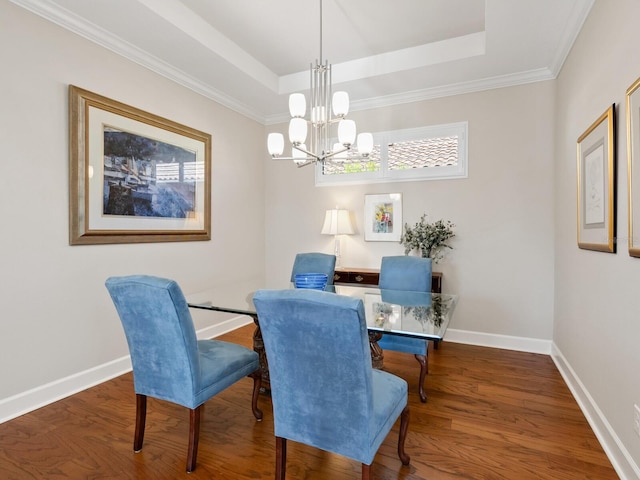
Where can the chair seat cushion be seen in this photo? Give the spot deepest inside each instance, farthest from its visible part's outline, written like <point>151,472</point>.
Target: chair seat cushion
<point>389,399</point>
<point>417,346</point>
<point>221,365</point>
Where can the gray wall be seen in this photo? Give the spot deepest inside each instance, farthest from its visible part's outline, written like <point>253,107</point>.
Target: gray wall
<point>522,281</point>
<point>57,319</point>
<point>596,325</point>
<point>501,264</point>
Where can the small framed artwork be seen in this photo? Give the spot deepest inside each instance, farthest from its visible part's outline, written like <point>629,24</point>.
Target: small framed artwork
<point>135,177</point>
<point>383,217</point>
<point>596,172</point>
<point>633,165</point>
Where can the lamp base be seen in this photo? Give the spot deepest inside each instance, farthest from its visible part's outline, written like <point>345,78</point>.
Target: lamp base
<point>336,251</point>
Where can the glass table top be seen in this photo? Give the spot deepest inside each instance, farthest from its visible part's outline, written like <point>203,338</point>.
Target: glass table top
<point>413,314</point>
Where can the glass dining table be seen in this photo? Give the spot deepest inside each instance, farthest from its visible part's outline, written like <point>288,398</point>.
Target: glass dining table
<point>388,312</point>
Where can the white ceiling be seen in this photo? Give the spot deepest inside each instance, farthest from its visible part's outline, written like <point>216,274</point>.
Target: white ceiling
<point>250,54</point>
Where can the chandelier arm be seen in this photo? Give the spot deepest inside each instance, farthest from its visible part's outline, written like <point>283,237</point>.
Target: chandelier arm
<point>309,154</point>
<point>329,155</point>
<point>308,162</point>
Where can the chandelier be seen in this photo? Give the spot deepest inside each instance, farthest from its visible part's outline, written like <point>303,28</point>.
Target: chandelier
<point>325,110</point>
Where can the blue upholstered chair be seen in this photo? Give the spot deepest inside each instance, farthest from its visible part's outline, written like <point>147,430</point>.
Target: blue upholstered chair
<point>410,274</point>
<point>325,392</point>
<point>169,362</point>
<point>315,263</point>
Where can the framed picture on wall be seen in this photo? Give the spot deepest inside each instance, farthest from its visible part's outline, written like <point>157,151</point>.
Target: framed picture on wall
<point>383,217</point>
<point>596,172</point>
<point>633,165</point>
<point>135,177</point>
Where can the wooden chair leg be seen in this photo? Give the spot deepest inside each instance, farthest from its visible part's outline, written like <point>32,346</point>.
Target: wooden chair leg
<point>257,383</point>
<point>281,458</point>
<point>194,435</point>
<point>366,471</point>
<point>424,368</point>
<point>404,428</point>
<point>141,418</point>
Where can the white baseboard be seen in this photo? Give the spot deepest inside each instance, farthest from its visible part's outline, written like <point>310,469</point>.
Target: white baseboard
<point>620,458</point>
<point>521,344</point>
<point>25,402</point>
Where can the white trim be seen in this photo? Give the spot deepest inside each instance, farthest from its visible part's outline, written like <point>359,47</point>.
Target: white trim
<point>386,175</point>
<point>66,19</point>
<point>25,402</point>
<point>72,22</point>
<point>507,342</point>
<point>620,458</point>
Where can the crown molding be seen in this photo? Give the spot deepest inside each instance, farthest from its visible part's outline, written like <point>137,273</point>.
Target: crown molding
<point>503,81</point>
<point>574,26</point>
<point>96,34</point>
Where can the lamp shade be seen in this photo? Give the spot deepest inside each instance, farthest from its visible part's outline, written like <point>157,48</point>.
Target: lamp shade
<point>297,105</point>
<point>340,104</point>
<point>365,143</point>
<point>337,222</point>
<point>275,144</point>
<point>297,131</point>
<point>347,132</point>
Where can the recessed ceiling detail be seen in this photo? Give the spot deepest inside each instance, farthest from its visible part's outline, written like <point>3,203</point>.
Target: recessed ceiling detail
<point>250,54</point>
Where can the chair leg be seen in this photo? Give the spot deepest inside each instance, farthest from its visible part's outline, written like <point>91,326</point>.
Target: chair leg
<point>141,418</point>
<point>424,368</point>
<point>366,471</point>
<point>257,383</point>
<point>281,458</point>
<point>404,428</point>
<point>194,435</point>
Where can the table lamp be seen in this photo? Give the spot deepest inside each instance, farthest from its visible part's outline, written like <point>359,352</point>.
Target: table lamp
<point>337,222</point>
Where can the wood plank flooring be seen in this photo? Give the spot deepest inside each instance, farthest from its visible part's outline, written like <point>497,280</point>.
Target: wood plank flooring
<point>490,414</point>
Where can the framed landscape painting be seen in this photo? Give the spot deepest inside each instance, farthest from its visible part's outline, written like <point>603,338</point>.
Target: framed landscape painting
<point>596,172</point>
<point>383,217</point>
<point>135,177</point>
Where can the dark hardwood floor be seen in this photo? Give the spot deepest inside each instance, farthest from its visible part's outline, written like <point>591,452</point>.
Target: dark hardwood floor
<point>491,414</point>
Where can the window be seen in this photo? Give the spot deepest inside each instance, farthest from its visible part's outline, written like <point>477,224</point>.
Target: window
<point>428,153</point>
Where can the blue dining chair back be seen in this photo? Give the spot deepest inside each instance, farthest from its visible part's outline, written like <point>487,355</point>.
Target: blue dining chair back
<point>324,390</point>
<point>169,362</point>
<point>314,263</point>
<point>408,274</point>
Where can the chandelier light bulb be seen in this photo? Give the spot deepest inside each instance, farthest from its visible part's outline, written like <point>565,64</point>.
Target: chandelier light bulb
<point>340,103</point>
<point>297,131</point>
<point>318,115</point>
<point>297,105</point>
<point>347,132</point>
<point>275,144</point>
<point>365,144</point>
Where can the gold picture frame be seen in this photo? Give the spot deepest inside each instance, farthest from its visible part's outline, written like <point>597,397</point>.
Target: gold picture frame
<point>633,168</point>
<point>596,175</point>
<point>135,177</point>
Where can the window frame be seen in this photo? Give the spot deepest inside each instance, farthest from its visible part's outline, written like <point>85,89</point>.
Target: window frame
<point>384,175</point>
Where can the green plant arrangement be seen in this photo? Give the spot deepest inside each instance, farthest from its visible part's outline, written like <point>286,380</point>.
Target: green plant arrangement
<point>430,239</point>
